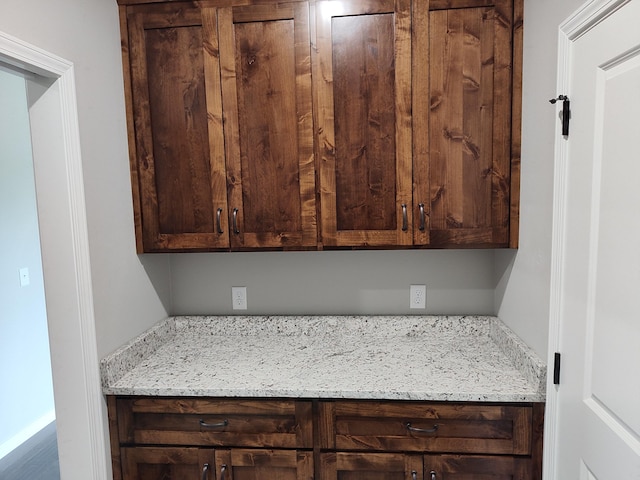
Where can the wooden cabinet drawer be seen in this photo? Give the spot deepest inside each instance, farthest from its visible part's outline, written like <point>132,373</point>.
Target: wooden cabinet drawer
<point>423,426</point>
<point>215,422</point>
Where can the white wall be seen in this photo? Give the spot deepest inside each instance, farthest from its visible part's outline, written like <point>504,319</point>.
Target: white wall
<point>26,389</point>
<point>129,296</point>
<point>522,293</point>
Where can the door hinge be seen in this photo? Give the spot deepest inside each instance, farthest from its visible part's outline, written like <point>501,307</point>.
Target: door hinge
<point>556,369</point>
<point>566,113</point>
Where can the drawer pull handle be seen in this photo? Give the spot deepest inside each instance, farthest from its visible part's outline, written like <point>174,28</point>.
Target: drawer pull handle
<point>223,471</point>
<point>205,469</point>
<point>414,475</point>
<point>421,430</point>
<point>221,424</point>
<point>433,475</point>
<point>422,221</point>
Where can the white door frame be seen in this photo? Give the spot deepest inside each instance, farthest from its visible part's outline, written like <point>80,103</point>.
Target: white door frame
<point>584,19</point>
<point>66,267</point>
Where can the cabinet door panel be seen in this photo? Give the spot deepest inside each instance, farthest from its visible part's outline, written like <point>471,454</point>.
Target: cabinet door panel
<point>177,112</point>
<point>370,466</point>
<point>470,68</point>
<point>363,82</point>
<point>245,464</point>
<point>145,463</point>
<point>476,467</point>
<point>364,122</point>
<point>266,85</point>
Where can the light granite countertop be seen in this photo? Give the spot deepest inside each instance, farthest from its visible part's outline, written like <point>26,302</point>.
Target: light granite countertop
<point>440,358</point>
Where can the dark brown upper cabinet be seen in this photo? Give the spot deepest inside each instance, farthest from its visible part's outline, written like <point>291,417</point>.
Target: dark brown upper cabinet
<point>221,127</point>
<point>328,124</point>
<point>362,74</point>
<point>417,142</point>
<point>175,127</point>
<point>466,121</point>
<point>268,124</point>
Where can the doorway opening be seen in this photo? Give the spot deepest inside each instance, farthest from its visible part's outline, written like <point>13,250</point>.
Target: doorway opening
<point>79,406</point>
<point>28,444</point>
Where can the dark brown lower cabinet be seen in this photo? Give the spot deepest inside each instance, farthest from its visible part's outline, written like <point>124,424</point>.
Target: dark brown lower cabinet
<point>184,463</point>
<point>370,466</point>
<point>252,464</point>
<point>199,438</point>
<point>400,466</point>
<point>154,463</point>
<point>476,467</point>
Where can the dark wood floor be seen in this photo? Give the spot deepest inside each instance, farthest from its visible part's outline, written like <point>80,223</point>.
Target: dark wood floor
<point>36,459</point>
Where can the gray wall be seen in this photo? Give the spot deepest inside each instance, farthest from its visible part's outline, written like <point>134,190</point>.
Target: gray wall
<point>132,292</point>
<point>129,296</point>
<point>26,389</point>
<point>334,282</point>
<point>522,278</point>
<point>512,284</point>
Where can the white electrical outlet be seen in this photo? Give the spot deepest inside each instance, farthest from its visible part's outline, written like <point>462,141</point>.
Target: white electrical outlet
<point>418,296</point>
<point>239,298</point>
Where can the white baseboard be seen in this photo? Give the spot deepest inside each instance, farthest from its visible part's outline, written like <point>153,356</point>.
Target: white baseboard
<point>26,433</point>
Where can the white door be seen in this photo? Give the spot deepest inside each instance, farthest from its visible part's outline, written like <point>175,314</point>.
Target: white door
<point>595,414</point>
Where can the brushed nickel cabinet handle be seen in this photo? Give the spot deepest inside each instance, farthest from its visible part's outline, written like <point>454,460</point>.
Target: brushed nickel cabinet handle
<point>223,471</point>
<point>205,469</point>
<point>405,224</point>
<point>433,475</point>
<point>221,424</point>
<point>422,220</point>
<point>421,430</point>
<point>414,475</point>
<point>219,220</point>
<point>235,222</point>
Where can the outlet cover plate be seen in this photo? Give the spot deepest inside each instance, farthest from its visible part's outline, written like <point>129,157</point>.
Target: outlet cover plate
<point>239,298</point>
<point>418,296</point>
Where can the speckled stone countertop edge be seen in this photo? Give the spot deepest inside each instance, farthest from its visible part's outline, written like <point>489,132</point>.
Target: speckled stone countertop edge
<point>523,356</point>
<point>432,395</point>
<point>129,355</point>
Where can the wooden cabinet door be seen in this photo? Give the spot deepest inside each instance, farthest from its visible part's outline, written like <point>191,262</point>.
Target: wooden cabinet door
<point>370,466</point>
<point>266,86</point>
<point>463,73</point>
<point>166,463</point>
<point>476,467</point>
<point>175,129</point>
<point>362,76</point>
<point>251,464</point>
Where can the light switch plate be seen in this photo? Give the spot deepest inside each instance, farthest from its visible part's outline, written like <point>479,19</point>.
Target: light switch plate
<point>24,277</point>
